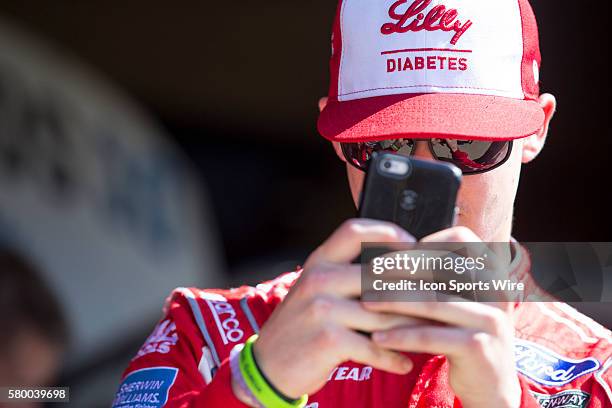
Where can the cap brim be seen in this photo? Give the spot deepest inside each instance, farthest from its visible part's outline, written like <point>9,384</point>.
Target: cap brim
<point>452,116</point>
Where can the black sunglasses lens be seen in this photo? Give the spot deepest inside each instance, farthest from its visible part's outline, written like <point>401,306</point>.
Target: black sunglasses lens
<point>471,156</point>
<point>468,155</point>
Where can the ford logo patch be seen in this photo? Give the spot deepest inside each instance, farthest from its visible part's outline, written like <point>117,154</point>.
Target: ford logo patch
<point>547,367</point>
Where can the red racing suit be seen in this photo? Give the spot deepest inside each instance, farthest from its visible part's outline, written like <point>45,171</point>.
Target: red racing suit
<point>563,358</point>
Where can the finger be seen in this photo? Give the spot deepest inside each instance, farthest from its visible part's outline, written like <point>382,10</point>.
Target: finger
<point>471,315</point>
<point>460,240</point>
<point>351,314</point>
<point>333,279</point>
<point>454,234</point>
<point>345,243</point>
<point>449,341</point>
<point>362,350</point>
<point>497,257</point>
<point>386,295</point>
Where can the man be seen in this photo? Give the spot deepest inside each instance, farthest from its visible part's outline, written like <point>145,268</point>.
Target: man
<point>422,73</point>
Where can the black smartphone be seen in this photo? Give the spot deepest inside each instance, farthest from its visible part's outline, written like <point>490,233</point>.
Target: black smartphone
<point>419,196</point>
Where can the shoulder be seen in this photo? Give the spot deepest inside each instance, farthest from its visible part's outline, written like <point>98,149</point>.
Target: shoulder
<point>189,348</point>
<point>200,327</point>
<point>559,348</point>
<point>561,327</point>
<point>223,318</point>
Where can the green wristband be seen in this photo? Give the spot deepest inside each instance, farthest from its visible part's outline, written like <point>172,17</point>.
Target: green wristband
<point>258,385</point>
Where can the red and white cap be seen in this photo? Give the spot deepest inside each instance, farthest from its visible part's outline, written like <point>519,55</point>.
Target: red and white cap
<point>458,69</point>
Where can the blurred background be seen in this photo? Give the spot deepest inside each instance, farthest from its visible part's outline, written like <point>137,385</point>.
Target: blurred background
<point>145,146</point>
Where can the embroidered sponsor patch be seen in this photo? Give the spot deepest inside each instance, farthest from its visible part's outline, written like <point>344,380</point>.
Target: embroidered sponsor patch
<point>564,399</point>
<point>146,388</point>
<point>547,367</point>
<point>438,18</point>
<point>343,373</point>
<point>163,338</point>
<point>225,318</point>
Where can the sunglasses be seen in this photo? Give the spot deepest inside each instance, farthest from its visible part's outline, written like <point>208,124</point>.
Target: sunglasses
<point>470,156</point>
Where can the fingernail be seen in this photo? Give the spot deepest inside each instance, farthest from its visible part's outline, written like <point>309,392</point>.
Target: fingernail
<point>379,336</point>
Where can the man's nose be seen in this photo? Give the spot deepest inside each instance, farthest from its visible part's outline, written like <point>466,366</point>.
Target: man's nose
<point>422,150</point>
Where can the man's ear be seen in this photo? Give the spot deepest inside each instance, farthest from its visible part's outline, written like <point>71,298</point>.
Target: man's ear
<point>322,103</point>
<point>532,145</point>
<point>338,150</point>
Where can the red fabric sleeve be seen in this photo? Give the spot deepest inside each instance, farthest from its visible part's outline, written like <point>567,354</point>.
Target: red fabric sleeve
<point>185,361</point>
<point>219,392</point>
<point>174,368</point>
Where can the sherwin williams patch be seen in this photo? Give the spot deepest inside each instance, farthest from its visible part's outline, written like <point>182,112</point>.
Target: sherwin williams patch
<point>146,388</point>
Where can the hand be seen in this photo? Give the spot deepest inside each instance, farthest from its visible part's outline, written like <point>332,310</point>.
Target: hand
<point>476,338</point>
<point>315,328</point>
